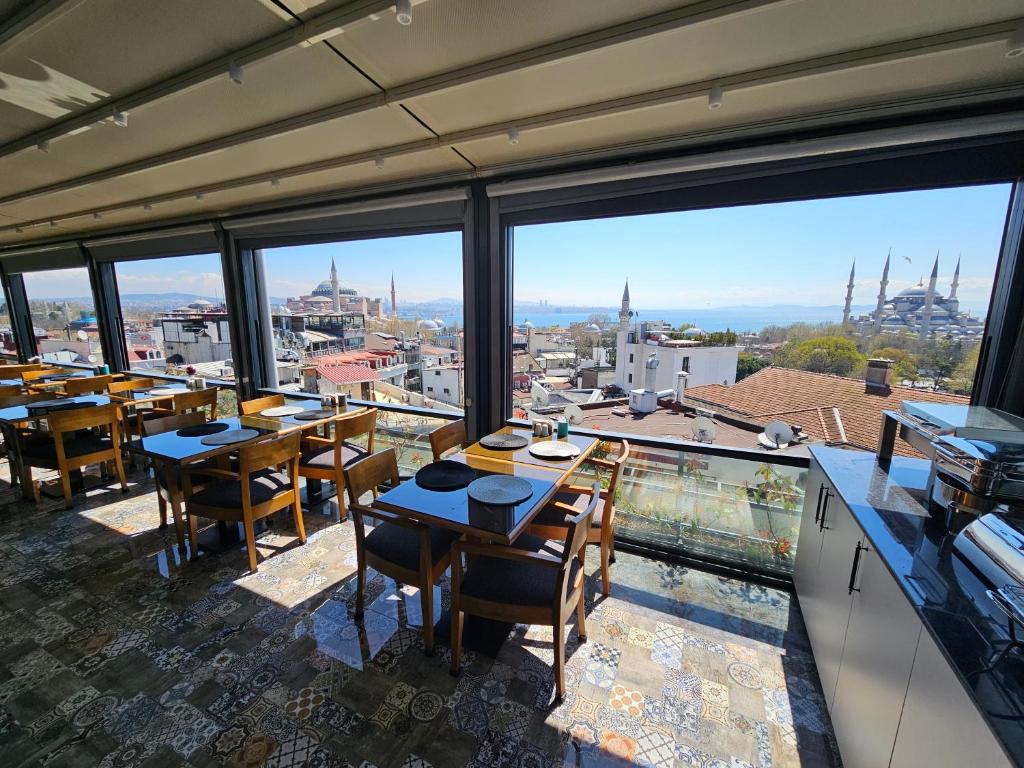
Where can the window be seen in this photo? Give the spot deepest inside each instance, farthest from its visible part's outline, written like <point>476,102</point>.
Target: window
<point>175,319</point>
<point>63,316</point>
<point>816,314</point>
<point>370,318</point>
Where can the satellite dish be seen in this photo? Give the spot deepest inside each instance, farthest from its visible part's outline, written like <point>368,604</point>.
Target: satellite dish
<point>93,358</point>
<point>538,394</point>
<point>703,430</point>
<point>778,434</point>
<point>82,335</point>
<point>574,414</point>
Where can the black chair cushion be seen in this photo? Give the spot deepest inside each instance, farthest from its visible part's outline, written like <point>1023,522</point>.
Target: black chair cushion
<point>41,451</point>
<point>551,515</point>
<point>516,583</point>
<point>197,479</point>
<point>323,458</point>
<point>402,547</point>
<point>263,486</point>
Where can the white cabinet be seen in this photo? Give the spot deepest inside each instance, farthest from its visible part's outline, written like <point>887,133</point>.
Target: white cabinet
<point>878,655</point>
<point>941,726</point>
<point>808,551</point>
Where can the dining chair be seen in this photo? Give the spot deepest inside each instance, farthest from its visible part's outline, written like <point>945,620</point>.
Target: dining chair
<point>407,551</point>
<point>196,400</point>
<point>451,435</point>
<point>325,458</point>
<point>129,385</point>
<point>533,581</point>
<point>120,391</point>
<point>14,370</point>
<point>551,523</point>
<point>168,493</point>
<point>266,482</point>
<point>250,407</point>
<point>33,375</point>
<point>77,437</point>
<point>87,385</point>
<point>11,433</point>
<point>7,390</point>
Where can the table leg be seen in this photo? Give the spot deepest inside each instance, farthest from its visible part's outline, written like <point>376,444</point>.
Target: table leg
<point>175,500</point>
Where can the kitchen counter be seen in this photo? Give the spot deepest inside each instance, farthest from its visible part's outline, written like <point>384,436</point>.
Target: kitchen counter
<point>888,501</point>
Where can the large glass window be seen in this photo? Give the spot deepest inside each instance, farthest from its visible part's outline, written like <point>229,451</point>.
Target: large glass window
<point>378,319</point>
<point>762,327</point>
<point>64,316</point>
<point>175,320</point>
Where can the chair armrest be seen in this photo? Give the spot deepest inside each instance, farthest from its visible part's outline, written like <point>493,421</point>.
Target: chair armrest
<point>506,553</point>
<point>600,463</point>
<point>313,440</point>
<point>389,517</point>
<point>583,489</point>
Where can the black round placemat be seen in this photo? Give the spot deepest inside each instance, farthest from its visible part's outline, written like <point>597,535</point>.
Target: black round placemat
<point>500,489</point>
<point>201,430</point>
<point>445,476</point>
<point>319,413</point>
<point>230,437</point>
<point>504,442</point>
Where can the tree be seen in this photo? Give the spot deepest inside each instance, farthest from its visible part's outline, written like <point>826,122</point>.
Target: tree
<point>941,357</point>
<point>821,354</point>
<point>748,364</point>
<point>904,364</point>
<point>961,380</point>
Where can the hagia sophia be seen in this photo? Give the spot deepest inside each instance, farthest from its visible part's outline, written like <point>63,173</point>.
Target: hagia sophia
<point>921,310</point>
<point>329,297</point>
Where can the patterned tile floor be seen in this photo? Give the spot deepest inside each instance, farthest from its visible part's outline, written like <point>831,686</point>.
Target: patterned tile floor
<point>115,652</point>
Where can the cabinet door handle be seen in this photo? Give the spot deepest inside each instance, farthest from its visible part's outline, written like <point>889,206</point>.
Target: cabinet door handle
<point>817,509</point>
<point>853,571</point>
<point>824,509</point>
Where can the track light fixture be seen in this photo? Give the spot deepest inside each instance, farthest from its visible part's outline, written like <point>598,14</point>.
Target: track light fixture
<point>19,230</point>
<point>53,223</point>
<point>715,97</point>
<point>379,162</point>
<point>275,182</point>
<point>96,215</point>
<point>1015,43</point>
<point>199,195</point>
<point>43,145</point>
<point>147,207</point>
<point>120,117</point>
<point>513,136</point>
<point>403,12</point>
<point>236,73</point>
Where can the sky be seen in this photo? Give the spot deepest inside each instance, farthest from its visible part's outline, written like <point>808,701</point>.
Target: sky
<point>784,253</point>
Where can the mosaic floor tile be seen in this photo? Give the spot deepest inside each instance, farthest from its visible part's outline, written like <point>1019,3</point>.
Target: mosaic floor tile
<point>115,650</point>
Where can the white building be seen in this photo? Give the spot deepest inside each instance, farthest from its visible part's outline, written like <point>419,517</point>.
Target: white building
<point>442,383</point>
<point>705,364</point>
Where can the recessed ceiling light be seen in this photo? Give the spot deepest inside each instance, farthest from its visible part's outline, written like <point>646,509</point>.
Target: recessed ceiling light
<point>715,97</point>
<point>236,73</point>
<point>1015,43</point>
<point>403,12</point>
<point>513,136</point>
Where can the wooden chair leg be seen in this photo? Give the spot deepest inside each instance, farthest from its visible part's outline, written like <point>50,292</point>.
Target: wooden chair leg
<point>581,618</point>
<point>300,526</point>
<point>606,579</point>
<point>558,631</point>
<point>427,608</point>
<point>458,617</point>
<point>360,584</point>
<point>119,468</point>
<point>65,482</point>
<point>250,542</point>
<point>193,534</point>
<point>339,485</point>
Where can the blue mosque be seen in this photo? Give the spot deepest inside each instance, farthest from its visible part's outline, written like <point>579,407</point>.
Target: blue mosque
<point>921,310</point>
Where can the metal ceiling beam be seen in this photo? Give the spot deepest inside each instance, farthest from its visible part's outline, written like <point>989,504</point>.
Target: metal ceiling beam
<point>819,65</point>
<point>693,14</point>
<point>31,16</point>
<point>316,28</point>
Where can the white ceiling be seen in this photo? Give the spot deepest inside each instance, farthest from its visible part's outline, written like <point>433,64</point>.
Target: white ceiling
<point>437,97</point>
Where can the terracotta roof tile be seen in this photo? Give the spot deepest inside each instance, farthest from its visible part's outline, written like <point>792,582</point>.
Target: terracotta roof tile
<point>347,374</point>
<point>836,409</point>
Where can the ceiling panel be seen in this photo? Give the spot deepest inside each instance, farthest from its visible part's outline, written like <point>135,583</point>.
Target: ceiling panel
<point>358,133</point>
<point>295,81</point>
<point>429,163</point>
<point>834,91</point>
<point>110,47</point>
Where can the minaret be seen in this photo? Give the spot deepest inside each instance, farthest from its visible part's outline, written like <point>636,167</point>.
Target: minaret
<point>335,291</point>
<point>881,294</point>
<point>849,296</point>
<point>394,305</point>
<point>624,311</point>
<point>929,300</point>
<point>956,280</point>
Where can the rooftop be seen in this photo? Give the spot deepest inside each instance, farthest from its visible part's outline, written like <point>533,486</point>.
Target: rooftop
<point>346,374</point>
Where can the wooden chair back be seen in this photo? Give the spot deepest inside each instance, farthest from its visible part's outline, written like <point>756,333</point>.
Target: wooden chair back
<point>14,370</point>
<point>269,453</point>
<point>355,424</point>
<point>129,385</point>
<point>249,407</point>
<point>366,475</point>
<point>7,401</point>
<point>168,423</point>
<point>197,400</point>
<point>35,374</point>
<point>75,419</point>
<point>451,435</point>
<point>10,389</point>
<point>91,385</point>
<point>576,541</point>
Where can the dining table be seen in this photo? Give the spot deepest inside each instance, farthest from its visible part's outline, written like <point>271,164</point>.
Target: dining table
<point>172,452</point>
<point>486,523</point>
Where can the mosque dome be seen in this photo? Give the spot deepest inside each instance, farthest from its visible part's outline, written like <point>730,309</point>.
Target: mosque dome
<point>324,289</point>
<point>427,325</point>
<point>320,300</point>
<point>693,332</point>
<point>593,328</point>
<point>917,292</point>
<point>527,324</point>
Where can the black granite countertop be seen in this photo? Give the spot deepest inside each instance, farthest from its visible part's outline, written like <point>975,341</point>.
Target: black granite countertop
<point>890,503</point>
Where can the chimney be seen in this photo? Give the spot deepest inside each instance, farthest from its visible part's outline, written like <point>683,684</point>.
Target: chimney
<point>681,377</point>
<point>878,377</point>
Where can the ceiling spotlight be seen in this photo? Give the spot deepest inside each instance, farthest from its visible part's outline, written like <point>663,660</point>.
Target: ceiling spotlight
<point>403,12</point>
<point>199,195</point>
<point>96,215</point>
<point>120,118</point>
<point>715,97</point>
<point>275,182</point>
<point>147,207</point>
<point>513,136</point>
<point>236,73</point>
<point>43,145</point>
<point>379,161</point>
<point>1015,43</point>
<point>19,230</point>
<point>53,223</point>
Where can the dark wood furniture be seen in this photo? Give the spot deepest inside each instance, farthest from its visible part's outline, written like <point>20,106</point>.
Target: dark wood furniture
<point>451,435</point>
<point>325,458</point>
<point>193,400</point>
<point>253,407</point>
